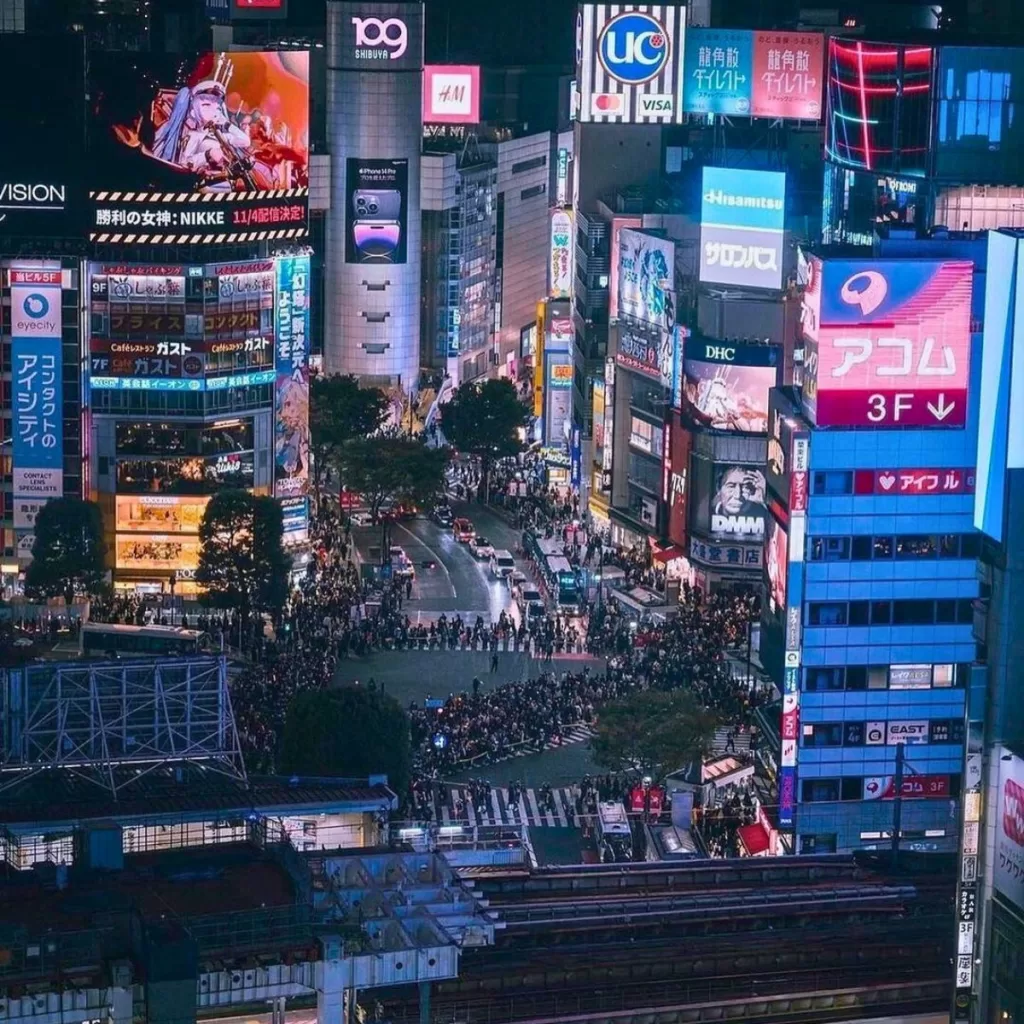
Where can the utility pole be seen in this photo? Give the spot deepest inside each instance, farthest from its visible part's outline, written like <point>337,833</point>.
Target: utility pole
<point>897,804</point>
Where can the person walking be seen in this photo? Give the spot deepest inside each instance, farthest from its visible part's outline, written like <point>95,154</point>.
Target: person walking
<point>494,661</point>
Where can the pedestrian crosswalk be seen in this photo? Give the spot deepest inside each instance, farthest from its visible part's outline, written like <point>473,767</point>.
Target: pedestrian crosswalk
<point>457,808</point>
<point>573,734</point>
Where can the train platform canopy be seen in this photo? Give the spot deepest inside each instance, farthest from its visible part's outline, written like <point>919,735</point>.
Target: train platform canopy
<point>57,798</point>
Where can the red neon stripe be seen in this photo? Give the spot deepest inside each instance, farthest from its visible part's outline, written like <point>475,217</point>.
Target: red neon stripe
<point>863,109</point>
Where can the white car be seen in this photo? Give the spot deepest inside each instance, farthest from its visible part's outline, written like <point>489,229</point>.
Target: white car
<point>400,563</point>
<point>515,580</point>
<point>480,547</point>
<point>528,596</point>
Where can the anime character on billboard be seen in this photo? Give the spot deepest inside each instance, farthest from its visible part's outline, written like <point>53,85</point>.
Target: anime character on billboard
<point>652,280</point>
<point>236,122</point>
<point>724,397</point>
<point>291,441</point>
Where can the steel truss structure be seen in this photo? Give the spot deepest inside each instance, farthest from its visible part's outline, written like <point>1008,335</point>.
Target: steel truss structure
<point>94,718</point>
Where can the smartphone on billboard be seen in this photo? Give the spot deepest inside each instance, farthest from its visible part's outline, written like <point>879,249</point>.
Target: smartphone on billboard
<point>377,242</point>
<point>369,204</point>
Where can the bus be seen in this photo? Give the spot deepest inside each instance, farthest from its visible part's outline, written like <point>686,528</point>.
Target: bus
<point>111,639</point>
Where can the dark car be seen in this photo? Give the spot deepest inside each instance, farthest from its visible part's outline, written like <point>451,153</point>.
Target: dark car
<point>442,515</point>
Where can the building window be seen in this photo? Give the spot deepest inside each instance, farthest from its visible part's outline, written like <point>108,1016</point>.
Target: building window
<point>827,613</point>
<point>817,680</point>
<point>529,165</point>
<point>823,735</point>
<point>833,482</point>
<point>816,791</point>
<point>533,190</point>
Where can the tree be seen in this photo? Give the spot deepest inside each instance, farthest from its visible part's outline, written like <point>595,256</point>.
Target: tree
<point>69,554</point>
<point>348,732</point>
<point>242,563</point>
<point>394,469</point>
<point>341,411</point>
<point>485,420</point>
<point>654,732</point>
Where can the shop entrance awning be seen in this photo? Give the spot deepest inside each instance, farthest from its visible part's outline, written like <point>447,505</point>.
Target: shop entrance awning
<point>666,553</point>
<point>754,839</point>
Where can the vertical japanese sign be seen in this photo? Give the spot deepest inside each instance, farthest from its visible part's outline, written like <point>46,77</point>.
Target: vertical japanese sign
<point>561,254</point>
<point>291,393</point>
<point>788,75</point>
<point>38,443</point>
<point>717,71</point>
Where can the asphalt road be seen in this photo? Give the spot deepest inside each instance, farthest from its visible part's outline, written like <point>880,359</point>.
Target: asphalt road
<point>459,582</point>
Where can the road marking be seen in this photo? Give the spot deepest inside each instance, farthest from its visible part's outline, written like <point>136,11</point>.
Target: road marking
<point>437,558</point>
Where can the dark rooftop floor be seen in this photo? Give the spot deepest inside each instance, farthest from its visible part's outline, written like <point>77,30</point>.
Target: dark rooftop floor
<point>59,796</point>
<point>173,884</point>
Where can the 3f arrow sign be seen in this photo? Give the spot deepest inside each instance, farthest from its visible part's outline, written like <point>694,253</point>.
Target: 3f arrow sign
<point>941,411</point>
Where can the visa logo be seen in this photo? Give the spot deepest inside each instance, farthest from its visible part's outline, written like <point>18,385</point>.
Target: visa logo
<point>656,103</point>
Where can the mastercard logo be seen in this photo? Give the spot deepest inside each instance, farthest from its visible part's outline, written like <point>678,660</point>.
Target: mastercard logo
<point>607,103</point>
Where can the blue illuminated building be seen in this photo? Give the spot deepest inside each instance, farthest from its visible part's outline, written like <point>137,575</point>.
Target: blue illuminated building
<point>871,564</point>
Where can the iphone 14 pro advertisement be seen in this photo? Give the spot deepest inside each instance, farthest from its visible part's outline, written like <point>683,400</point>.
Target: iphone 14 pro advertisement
<point>377,193</point>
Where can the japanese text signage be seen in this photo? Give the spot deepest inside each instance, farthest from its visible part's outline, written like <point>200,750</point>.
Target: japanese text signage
<point>629,64</point>
<point>742,222</point>
<point>291,392</point>
<point>893,344</point>
<point>717,71</point>
<point>914,481</point>
<point>788,74</point>
<point>755,74</point>
<point>36,375</point>
<point>561,254</point>
<point>1008,866</point>
<point>653,354</point>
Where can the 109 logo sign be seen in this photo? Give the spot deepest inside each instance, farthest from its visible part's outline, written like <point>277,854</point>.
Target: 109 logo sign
<point>633,48</point>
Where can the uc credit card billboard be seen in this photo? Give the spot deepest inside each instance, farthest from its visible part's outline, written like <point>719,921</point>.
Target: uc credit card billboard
<point>742,227</point>
<point>629,63</point>
<point>888,342</point>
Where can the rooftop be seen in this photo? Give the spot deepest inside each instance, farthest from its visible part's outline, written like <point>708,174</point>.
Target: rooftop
<point>189,789</point>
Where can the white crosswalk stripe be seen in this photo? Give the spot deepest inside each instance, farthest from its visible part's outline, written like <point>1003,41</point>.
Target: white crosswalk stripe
<point>501,811</point>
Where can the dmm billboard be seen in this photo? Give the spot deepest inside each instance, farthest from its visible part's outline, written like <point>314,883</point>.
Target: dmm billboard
<point>742,222</point>
<point>629,63</point>
<point>893,343</point>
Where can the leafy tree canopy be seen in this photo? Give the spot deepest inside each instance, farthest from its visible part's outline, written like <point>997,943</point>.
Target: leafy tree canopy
<point>242,563</point>
<point>393,468</point>
<point>347,732</point>
<point>654,732</point>
<point>342,411</point>
<point>485,419</point>
<point>69,554</point>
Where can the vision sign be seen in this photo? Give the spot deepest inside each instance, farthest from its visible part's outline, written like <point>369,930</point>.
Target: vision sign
<point>892,344</point>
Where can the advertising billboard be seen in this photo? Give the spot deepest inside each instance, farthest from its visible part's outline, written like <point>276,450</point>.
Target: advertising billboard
<point>742,227</point>
<point>159,552</point>
<point>893,343</point>
<point>379,37</point>
<point>377,206</point>
<point>291,390</point>
<point>558,398</point>
<point>678,491</point>
<point>717,71</point>
<point>776,563</point>
<point>788,75</point>
<point>41,162</point>
<point>451,94</point>
<point>652,353</point>
<point>646,278</point>
<point>914,481</point>
<point>561,254</point>
<point>726,384</point>
<point>629,63</point>
<point>37,444</point>
<point>159,514</point>
<point>878,106</point>
<point>212,149</point>
<point>1008,861</point>
<point>738,503</point>
<point>262,10</point>
<point>618,223</point>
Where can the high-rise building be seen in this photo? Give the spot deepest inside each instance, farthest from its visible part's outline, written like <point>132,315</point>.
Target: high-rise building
<point>870,552</point>
<point>372,273</point>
